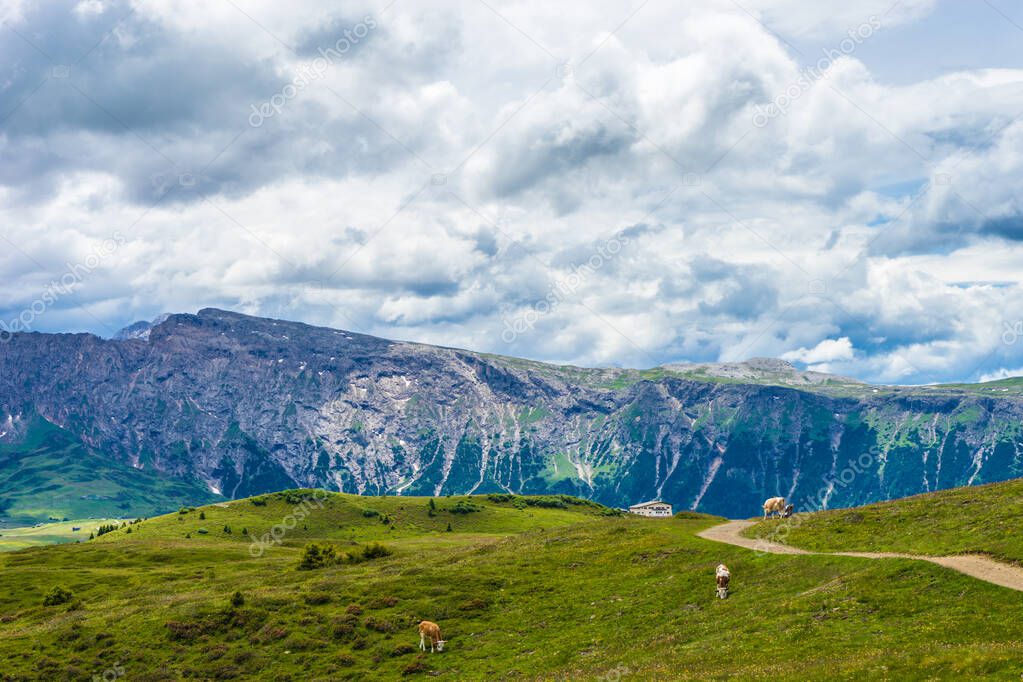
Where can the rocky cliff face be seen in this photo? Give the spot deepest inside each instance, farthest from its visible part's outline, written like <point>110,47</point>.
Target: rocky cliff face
<point>247,405</point>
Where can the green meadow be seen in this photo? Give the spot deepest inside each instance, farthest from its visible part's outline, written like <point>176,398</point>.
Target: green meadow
<point>984,519</point>
<point>550,588</point>
<point>56,533</point>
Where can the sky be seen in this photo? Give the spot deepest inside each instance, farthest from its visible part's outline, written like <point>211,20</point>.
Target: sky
<point>628,183</point>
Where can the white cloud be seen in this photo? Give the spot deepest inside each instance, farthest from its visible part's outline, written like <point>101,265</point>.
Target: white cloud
<point>828,350</point>
<point>1001,374</point>
<point>450,169</point>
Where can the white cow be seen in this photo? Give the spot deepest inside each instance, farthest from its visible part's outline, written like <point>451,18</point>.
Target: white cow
<point>723,577</point>
<point>774,505</point>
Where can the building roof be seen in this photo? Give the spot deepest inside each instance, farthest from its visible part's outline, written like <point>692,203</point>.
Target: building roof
<point>648,504</point>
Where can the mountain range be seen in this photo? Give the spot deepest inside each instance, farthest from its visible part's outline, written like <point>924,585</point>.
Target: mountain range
<point>195,408</point>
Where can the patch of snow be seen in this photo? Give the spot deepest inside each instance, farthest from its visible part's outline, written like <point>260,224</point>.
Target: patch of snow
<point>708,479</point>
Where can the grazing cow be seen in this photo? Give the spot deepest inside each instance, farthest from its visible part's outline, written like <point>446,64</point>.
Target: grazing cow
<point>431,630</point>
<point>774,505</point>
<point>789,508</point>
<point>723,576</point>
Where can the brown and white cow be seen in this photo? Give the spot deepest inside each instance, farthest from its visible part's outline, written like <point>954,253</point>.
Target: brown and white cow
<point>774,505</point>
<point>723,577</point>
<point>431,630</point>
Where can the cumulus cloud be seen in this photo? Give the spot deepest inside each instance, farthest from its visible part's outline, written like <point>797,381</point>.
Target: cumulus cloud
<point>828,350</point>
<point>447,173</point>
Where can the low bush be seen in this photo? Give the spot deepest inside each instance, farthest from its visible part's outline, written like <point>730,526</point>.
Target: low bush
<point>380,625</point>
<point>465,507</point>
<point>403,650</point>
<point>317,598</point>
<point>375,550</point>
<point>500,497</point>
<point>318,556</point>
<point>57,596</point>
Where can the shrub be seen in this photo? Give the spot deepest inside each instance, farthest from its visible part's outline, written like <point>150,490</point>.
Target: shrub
<point>56,596</point>
<point>500,497</point>
<point>370,513</point>
<point>269,633</point>
<point>380,625</point>
<point>345,660</point>
<point>317,598</point>
<point>548,501</point>
<point>354,609</point>
<point>416,666</point>
<point>184,510</point>
<point>343,630</point>
<point>403,650</point>
<point>448,529</point>
<point>383,602</point>
<point>237,599</point>
<point>227,530</point>
<point>465,507</point>
<point>375,550</point>
<point>259,501</point>
<point>202,516</point>
<point>201,531</point>
<point>318,556</point>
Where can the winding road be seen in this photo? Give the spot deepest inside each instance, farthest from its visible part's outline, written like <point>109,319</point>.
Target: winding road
<point>974,565</point>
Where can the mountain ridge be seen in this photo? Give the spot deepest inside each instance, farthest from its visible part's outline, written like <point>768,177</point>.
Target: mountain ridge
<point>247,405</point>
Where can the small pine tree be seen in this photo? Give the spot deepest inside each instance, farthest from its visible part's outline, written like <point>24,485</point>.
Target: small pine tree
<point>245,531</point>
<point>449,527</point>
<point>92,536</point>
<point>202,516</point>
<point>237,599</point>
<point>188,536</point>
<point>227,529</point>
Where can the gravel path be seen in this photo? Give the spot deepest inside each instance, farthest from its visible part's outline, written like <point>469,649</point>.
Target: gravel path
<point>974,565</point>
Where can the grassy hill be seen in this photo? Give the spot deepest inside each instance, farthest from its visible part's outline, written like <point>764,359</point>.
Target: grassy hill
<point>51,474</point>
<point>985,519</point>
<point>12,539</point>
<point>523,588</point>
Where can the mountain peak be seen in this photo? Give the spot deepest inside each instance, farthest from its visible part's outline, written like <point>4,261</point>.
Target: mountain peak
<point>140,329</point>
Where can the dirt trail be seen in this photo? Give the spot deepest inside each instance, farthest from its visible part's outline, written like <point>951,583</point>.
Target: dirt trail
<point>974,565</point>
